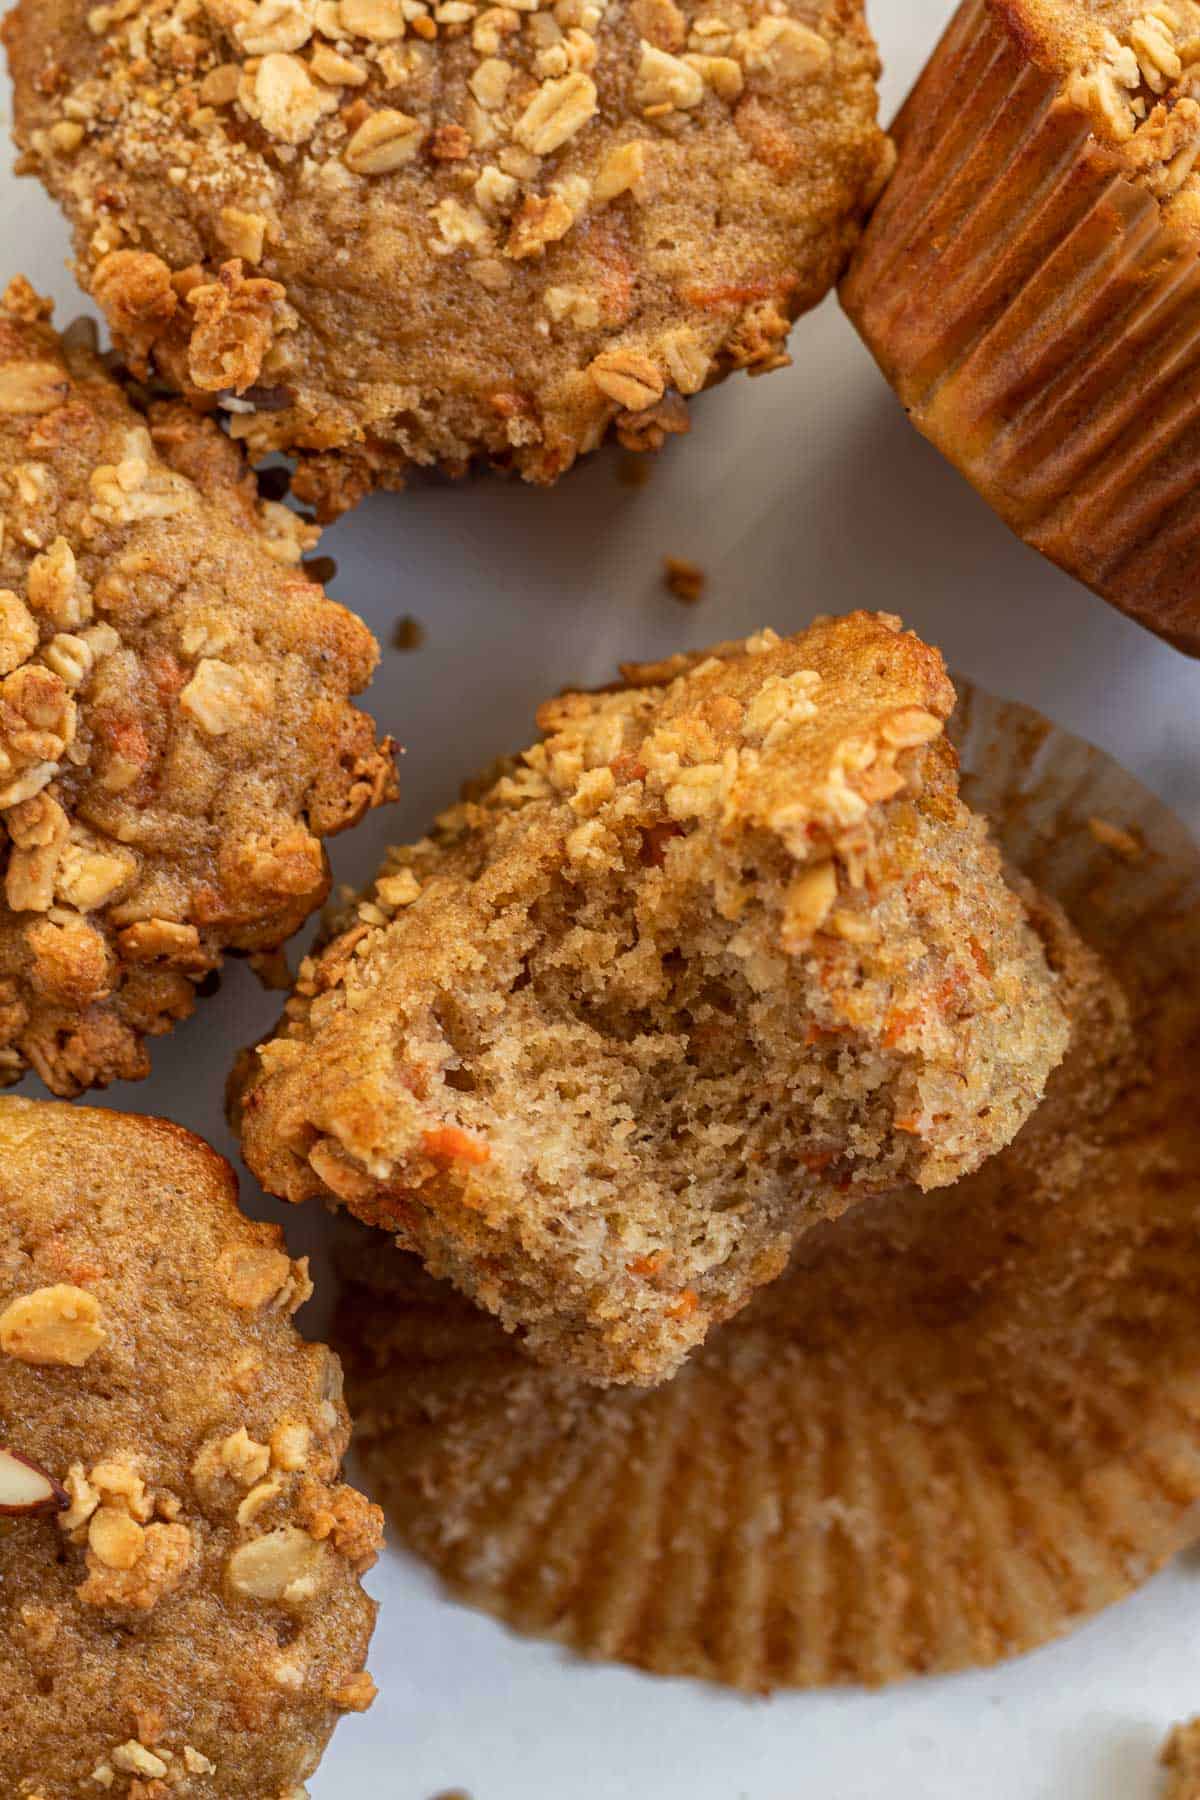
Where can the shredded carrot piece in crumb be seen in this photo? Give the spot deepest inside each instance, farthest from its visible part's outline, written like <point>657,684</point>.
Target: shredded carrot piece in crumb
<point>982,962</point>
<point>627,767</point>
<point>449,1144</point>
<point>685,1306</point>
<point>897,1023</point>
<point>912,1126</point>
<point>647,1265</point>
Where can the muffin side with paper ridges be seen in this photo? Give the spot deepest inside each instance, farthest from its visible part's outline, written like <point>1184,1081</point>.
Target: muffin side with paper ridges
<point>1029,285</point>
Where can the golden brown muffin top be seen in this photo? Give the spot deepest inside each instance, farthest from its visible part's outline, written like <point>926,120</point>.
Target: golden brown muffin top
<point>718,956</point>
<point>1181,1759</point>
<point>184,1608</point>
<point>1136,70</point>
<point>176,736</point>
<point>427,229</point>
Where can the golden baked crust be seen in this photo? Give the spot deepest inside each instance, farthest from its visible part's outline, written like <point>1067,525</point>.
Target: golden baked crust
<point>400,233</point>
<point>1181,1759</point>
<point>176,736</point>
<point>1136,70</point>
<point>189,1620</point>
<point>720,955</point>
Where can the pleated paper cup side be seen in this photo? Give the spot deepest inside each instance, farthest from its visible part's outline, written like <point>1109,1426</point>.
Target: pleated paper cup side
<point>1037,309</point>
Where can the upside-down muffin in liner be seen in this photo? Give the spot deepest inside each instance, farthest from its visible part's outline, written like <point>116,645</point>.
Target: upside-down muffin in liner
<point>1029,284</point>
<point>958,1425</point>
<point>719,956</point>
<point>391,232</point>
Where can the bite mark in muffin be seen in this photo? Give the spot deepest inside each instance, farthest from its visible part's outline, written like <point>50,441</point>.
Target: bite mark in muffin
<point>720,955</point>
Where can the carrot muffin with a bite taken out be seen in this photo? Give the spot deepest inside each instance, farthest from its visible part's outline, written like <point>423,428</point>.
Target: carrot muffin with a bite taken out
<point>717,957</point>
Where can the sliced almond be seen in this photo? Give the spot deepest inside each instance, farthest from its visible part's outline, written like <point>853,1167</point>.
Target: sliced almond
<point>26,1488</point>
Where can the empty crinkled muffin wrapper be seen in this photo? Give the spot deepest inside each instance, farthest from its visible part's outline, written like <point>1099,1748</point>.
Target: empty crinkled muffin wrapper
<point>1032,292</point>
<point>961,1423</point>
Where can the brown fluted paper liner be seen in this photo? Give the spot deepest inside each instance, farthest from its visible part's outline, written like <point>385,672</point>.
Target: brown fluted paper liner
<point>1037,309</point>
<point>962,1421</point>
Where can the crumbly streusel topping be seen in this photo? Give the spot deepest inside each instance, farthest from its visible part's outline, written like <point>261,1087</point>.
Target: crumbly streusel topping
<point>176,736</point>
<point>491,160</point>
<point>184,1616</point>
<point>718,956</point>
<point>1136,70</point>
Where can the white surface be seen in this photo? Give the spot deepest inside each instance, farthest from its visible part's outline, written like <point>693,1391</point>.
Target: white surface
<point>803,492</point>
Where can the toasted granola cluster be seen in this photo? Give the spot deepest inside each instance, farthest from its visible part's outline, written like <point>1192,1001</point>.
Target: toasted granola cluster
<point>1136,70</point>
<point>176,736</point>
<point>383,231</point>
<point>720,955</point>
<point>181,1614</point>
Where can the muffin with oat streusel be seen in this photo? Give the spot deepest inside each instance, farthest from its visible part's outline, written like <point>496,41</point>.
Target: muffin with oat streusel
<point>176,733</point>
<point>180,1607</point>
<point>387,232</point>
<point>1028,284</point>
<point>719,956</point>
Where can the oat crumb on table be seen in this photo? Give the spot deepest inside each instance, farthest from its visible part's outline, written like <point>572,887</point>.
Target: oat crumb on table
<point>719,955</point>
<point>685,580</point>
<point>408,634</point>
<point>176,732</point>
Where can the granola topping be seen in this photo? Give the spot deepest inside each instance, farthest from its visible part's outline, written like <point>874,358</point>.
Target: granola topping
<point>155,628</point>
<point>532,151</point>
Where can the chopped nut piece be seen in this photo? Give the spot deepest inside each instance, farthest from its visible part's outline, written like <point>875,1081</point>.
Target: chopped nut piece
<point>255,1278</point>
<point>781,51</point>
<point>808,904</point>
<point>355,1693</point>
<point>25,1488</point>
<point>222,698</point>
<point>27,389</point>
<point>58,1327</point>
<point>18,632</point>
<point>381,21</point>
<point>665,80</point>
<point>621,171</point>
<point>133,1758</point>
<point>117,1540</point>
<point>243,233</point>
<point>285,1565</point>
<point>286,100</point>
